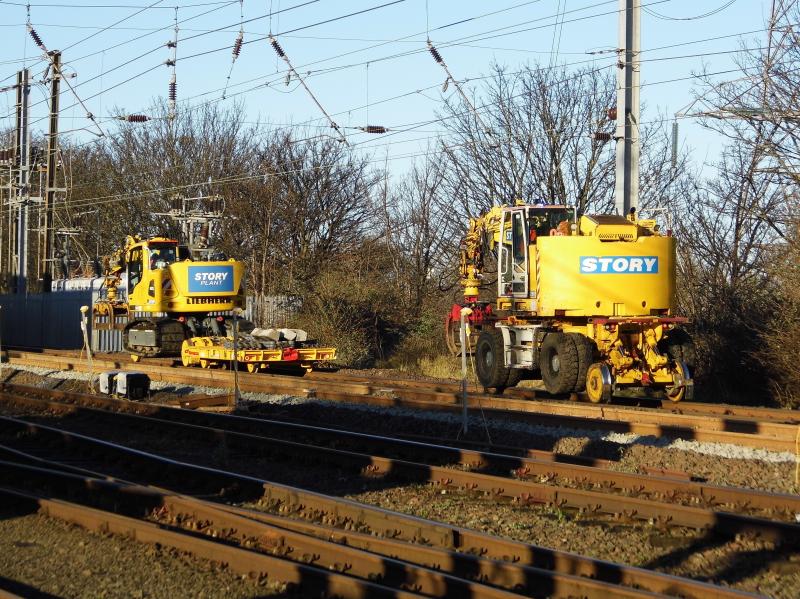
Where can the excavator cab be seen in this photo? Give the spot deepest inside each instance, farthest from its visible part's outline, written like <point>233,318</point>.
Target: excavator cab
<point>519,229</point>
<point>513,254</point>
<point>144,257</point>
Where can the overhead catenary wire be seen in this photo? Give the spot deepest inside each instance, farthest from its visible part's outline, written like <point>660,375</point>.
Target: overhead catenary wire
<point>698,41</point>
<point>200,54</point>
<point>279,51</point>
<point>131,78</point>
<point>369,9</point>
<point>237,178</point>
<point>237,47</point>
<point>138,12</point>
<point>704,15</point>
<point>114,6</point>
<point>148,71</point>
<point>415,126</point>
<point>150,31</point>
<point>57,72</point>
<point>337,18</point>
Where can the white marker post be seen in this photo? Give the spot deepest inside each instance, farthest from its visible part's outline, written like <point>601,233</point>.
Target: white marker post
<point>85,330</point>
<point>464,333</point>
<point>237,312</point>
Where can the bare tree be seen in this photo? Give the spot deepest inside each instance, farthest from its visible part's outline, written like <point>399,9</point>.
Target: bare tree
<point>761,108</point>
<point>130,179</point>
<point>417,233</point>
<point>740,234</point>
<point>323,202</point>
<point>532,137</point>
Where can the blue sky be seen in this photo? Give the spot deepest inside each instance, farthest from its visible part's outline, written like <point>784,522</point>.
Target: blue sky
<point>357,63</point>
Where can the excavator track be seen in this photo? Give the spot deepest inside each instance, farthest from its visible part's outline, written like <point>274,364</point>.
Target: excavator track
<point>152,338</point>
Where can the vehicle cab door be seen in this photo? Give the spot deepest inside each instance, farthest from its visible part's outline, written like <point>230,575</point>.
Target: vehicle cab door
<point>513,254</point>
<point>135,261</point>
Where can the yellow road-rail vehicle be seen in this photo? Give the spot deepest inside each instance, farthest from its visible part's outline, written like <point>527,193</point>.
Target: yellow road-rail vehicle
<point>168,299</point>
<point>584,304</point>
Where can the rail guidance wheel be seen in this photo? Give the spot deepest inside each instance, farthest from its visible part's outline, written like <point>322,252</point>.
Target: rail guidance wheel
<point>489,362</point>
<point>558,361</point>
<point>598,383</point>
<point>252,367</point>
<point>680,376</point>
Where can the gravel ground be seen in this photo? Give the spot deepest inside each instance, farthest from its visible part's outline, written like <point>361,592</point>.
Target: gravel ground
<point>768,569</point>
<point>45,557</point>
<point>745,563</point>
<point>745,471</point>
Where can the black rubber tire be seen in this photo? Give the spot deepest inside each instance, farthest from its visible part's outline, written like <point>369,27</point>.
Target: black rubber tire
<point>489,365</point>
<point>678,345</point>
<point>585,349</point>
<point>558,361</point>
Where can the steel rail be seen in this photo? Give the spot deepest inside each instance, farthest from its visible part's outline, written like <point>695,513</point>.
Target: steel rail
<point>472,567</point>
<point>540,395</point>
<point>304,578</point>
<point>683,408</point>
<point>352,515</point>
<point>429,571</point>
<point>775,436</point>
<point>521,491</point>
<point>195,516</point>
<point>551,467</point>
<point>164,411</point>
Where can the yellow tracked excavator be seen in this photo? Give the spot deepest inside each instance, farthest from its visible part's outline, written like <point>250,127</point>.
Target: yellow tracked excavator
<point>169,303</point>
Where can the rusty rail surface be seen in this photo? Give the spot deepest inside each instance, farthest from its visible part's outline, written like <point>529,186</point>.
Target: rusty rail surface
<point>311,544</point>
<point>769,434</point>
<point>351,515</point>
<point>781,415</point>
<point>543,464</point>
<point>306,579</point>
<point>661,510</point>
<point>121,361</point>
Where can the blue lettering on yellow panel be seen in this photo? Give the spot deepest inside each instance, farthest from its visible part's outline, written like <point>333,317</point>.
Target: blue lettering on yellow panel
<point>619,265</point>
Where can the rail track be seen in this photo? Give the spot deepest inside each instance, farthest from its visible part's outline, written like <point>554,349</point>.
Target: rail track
<point>595,492</point>
<point>77,465</point>
<point>764,428</point>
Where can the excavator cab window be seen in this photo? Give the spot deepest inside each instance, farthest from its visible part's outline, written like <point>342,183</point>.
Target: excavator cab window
<point>541,221</point>
<point>162,255</point>
<point>135,268</point>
